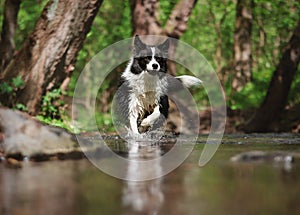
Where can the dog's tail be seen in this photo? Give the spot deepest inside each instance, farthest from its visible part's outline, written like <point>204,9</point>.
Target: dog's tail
<point>189,81</point>
<point>178,83</point>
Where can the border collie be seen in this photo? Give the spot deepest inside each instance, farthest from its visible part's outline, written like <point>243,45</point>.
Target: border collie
<point>142,94</point>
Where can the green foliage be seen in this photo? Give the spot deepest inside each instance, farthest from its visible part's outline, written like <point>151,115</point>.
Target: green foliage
<point>56,122</point>
<point>5,88</point>
<point>53,110</point>
<point>17,82</point>
<point>165,9</point>
<point>104,122</point>
<point>12,86</point>
<point>1,12</point>
<point>10,89</point>
<point>28,14</point>
<point>21,107</point>
<point>275,19</point>
<point>201,32</point>
<point>52,104</point>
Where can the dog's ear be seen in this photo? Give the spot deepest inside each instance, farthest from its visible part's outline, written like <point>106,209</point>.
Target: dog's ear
<point>138,45</point>
<point>164,47</point>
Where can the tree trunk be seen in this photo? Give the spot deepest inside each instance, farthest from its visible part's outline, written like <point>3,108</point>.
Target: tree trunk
<point>7,45</point>
<point>145,21</point>
<point>48,55</point>
<point>217,25</point>
<point>177,22</point>
<point>177,25</point>
<point>276,98</point>
<point>242,59</point>
<point>144,17</point>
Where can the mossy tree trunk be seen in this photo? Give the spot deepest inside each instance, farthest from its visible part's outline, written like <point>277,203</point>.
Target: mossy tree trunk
<point>48,55</point>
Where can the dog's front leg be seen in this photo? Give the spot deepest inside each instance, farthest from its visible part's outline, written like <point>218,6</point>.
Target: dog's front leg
<point>133,123</point>
<point>152,118</point>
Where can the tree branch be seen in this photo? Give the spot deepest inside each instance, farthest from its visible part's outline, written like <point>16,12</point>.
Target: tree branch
<point>177,22</point>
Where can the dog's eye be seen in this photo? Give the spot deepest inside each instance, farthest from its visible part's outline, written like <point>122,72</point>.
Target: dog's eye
<point>149,58</point>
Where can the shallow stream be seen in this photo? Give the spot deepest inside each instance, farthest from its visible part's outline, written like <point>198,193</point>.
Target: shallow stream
<point>252,186</point>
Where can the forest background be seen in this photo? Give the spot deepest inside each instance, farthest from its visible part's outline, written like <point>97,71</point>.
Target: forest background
<point>254,46</point>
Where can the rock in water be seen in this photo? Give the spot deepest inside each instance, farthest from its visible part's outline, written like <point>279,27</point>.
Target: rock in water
<point>22,135</point>
<point>263,156</point>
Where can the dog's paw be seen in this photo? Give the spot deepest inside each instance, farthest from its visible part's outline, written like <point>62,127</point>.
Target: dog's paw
<point>146,122</point>
<point>145,125</point>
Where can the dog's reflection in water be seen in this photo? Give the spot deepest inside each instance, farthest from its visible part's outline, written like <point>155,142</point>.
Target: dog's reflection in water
<point>143,196</point>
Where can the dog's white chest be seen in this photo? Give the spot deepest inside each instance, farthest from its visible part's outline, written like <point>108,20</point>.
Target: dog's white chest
<point>146,93</point>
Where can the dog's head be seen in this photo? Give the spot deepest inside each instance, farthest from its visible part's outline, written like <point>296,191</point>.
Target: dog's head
<point>152,59</point>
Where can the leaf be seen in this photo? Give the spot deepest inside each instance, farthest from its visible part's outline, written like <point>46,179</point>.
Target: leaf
<point>17,82</point>
<point>21,107</point>
<point>5,88</point>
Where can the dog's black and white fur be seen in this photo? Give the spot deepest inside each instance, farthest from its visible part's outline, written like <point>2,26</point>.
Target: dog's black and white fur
<point>142,95</point>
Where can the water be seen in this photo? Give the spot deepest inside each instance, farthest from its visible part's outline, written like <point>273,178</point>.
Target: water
<point>221,187</point>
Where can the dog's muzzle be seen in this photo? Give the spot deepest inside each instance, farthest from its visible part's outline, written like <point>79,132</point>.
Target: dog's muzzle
<point>153,72</point>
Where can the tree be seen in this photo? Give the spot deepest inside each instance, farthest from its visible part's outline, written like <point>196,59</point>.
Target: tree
<point>7,45</point>
<point>145,20</point>
<point>144,15</point>
<point>218,23</point>
<point>276,98</point>
<point>48,55</point>
<point>242,59</point>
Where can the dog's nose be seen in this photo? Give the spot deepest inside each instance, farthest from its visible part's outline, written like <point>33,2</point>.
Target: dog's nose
<point>155,66</point>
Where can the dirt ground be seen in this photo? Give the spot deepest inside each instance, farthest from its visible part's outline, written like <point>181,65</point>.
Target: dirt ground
<point>289,121</point>
<point>236,120</point>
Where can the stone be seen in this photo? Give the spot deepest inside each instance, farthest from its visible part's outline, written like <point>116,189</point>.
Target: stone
<point>24,136</point>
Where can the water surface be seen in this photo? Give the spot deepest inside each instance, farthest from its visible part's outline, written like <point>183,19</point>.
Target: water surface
<point>221,187</point>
